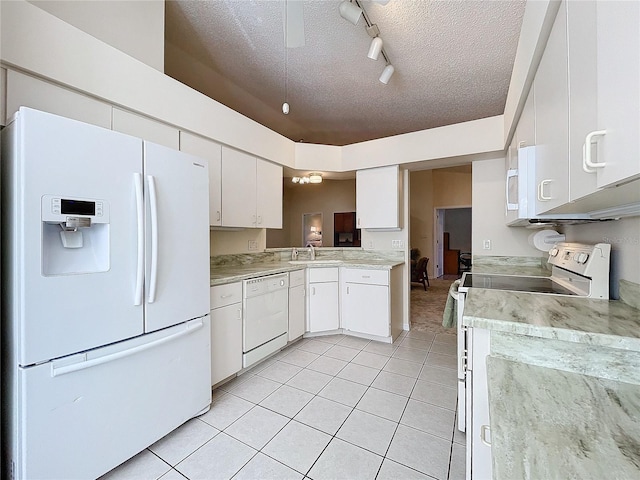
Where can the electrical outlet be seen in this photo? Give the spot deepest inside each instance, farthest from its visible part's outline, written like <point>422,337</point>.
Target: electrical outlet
<point>397,244</point>
<point>253,245</point>
<point>486,245</point>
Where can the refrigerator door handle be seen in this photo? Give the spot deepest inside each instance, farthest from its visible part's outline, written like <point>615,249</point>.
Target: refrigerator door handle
<point>153,203</point>
<point>190,327</point>
<point>137,177</point>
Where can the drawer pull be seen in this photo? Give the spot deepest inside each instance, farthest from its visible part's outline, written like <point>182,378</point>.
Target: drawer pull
<point>483,435</point>
<point>226,296</point>
<point>366,276</point>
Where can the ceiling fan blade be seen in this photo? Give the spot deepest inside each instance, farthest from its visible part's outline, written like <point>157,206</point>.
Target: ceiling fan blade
<point>294,28</point>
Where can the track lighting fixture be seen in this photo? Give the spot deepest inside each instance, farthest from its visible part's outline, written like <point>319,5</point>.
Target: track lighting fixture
<point>375,48</point>
<point>386,74</point>
<point>350,11</point>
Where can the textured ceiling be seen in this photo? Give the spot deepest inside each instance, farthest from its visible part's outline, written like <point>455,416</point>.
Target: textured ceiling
<point>452,59</point>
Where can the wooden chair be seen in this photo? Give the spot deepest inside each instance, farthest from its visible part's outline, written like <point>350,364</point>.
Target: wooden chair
<point>419,274</point>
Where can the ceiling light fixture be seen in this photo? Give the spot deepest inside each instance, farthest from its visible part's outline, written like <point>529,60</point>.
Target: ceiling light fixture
<point>375,48</point>
<point>386,74</point>
<point>315,178</point>
<point>311,178</point>
<point>348,10</point>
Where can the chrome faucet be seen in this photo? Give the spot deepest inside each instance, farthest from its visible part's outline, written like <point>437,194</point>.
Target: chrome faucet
<point>312,251</point>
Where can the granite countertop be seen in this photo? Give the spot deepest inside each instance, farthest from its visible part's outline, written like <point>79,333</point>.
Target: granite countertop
<point>607,323</point>
<point>221,274</point>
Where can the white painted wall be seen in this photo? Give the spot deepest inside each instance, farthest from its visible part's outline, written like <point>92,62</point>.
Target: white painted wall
<point>488,215</point>
<point>477,136</point>
<point>624,237</point>
<point>134,27</point>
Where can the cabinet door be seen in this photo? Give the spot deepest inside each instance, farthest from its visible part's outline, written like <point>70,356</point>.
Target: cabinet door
<point>226,342</point>
<point>478,425</point>
<point>377,198</point>
<point>323,307</point>
<point>365,309</point>
<point>296,312</point>
<point>269,195</point>
<point>618,53</point>
<point>211,151</point>
<point>552,119</point>
<point>238,189</point>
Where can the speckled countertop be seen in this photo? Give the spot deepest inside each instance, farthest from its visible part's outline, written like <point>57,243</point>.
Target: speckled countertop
<point>221,274</point>
<point>607,323</point>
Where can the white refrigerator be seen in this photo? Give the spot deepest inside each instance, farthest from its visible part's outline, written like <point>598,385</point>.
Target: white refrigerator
<point>105,325</point>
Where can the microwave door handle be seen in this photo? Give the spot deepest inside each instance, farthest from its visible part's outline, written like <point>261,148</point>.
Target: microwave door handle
<point>153,204</point>
<point>511,173</point>
<point>137,178</point>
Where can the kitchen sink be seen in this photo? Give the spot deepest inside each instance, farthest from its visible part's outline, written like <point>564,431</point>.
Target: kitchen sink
<point>315,262</point>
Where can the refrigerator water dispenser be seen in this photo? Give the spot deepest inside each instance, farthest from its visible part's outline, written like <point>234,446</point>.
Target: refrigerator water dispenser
<point>75,235</point>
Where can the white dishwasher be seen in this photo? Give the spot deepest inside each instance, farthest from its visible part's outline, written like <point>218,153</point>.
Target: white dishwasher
<point>265,317</point>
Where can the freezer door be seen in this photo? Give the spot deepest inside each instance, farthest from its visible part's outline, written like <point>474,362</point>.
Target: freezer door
<point>79,417</point>
<point>63,300</point>
<point>177,254</point>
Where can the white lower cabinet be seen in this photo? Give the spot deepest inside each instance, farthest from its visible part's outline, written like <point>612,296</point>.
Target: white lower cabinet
<point>324,309</point>
<point>297,317</point>
<point>226,331</point>
<point>365,301</point>
<point>478,434</point>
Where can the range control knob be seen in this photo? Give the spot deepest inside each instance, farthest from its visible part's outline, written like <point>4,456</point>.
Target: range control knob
<point>553,252</point>
<point>576,257</point>
<point>583,258</point>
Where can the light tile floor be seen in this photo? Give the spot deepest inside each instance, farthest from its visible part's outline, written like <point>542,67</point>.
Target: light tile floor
<point>331,407</point>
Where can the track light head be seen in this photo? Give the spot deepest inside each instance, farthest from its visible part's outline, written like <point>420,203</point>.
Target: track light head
<point>375,48</point>
<point>386,74</point>
<point>350,11</point>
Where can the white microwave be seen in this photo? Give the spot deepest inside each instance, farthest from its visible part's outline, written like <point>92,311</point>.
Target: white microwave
<point>520,195</point>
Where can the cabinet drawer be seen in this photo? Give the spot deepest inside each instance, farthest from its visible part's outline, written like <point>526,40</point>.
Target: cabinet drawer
<point>369,277</point>
<point>296,278</point>
<point>222,295</point>
<point>323,275</point>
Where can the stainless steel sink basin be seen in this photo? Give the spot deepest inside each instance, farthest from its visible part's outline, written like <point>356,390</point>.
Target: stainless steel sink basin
<point>315,262</point>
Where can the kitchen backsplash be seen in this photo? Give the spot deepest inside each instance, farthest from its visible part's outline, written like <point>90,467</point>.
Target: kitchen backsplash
<point>284,254</point>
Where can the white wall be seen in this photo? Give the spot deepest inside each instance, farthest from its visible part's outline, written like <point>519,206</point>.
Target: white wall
<point>134,27</point>
<point>225,242</point>
<point>624,237</point>
<point>488,214</point>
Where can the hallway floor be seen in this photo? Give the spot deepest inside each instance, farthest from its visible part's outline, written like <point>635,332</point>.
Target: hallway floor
<point>331,407</point>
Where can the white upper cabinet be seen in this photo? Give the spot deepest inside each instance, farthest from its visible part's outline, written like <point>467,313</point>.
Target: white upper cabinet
<point>238,189</point>
<point>586,102</point>
<point>552,119</point>
<point>565,107</point>
<point>212,152</point>
<point>251,191</point>
<point>378,198</point>
<point>618,81</point>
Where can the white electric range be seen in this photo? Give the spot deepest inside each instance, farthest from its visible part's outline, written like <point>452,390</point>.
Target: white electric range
<point>576,270</point>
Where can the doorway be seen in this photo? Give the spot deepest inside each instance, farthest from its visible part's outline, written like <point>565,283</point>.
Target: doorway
<point>452,240</point>
<point>312,229</point>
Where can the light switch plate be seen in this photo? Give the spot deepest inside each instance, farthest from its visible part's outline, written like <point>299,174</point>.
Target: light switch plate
<point>253,245</point>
